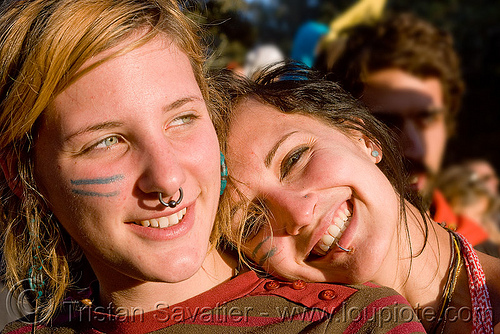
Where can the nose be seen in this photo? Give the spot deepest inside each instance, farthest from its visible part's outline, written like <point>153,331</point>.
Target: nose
<point>412,141</point>
<point>162,171</point>
<point>293,210</point>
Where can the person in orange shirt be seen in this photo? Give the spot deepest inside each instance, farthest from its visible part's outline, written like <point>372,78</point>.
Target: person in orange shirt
<point>407,73</point>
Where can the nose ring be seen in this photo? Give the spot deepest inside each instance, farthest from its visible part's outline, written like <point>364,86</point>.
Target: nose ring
<point>172,203</point>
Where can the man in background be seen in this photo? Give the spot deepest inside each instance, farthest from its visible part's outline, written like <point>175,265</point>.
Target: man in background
<point>408,74</point>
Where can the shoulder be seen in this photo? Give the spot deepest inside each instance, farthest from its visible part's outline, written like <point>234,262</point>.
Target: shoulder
<point>378,309</point>
<point>489,264</point>
<point>329,296</point>
<point>17,326</point>
<point>491,267</point>
<point>364,308</point>
<point>272,305</point>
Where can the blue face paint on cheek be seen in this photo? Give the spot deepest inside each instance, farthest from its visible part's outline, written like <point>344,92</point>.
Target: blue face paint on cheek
<point>103,180</point>
<point>96,181</point>
<point>259,245</point>
<point>267,256</point>
<point>94,193</point>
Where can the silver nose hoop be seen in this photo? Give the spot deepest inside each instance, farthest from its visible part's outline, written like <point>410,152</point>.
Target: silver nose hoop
<point>171,203</point>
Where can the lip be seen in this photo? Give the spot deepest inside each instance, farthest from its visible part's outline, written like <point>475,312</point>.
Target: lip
<point>167,233</point>
<point>163,214</point>
<point>325,222</point>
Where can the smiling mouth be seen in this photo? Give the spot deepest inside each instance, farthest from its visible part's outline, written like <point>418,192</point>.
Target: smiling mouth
<point>163,222</point>
<point>341,221</point>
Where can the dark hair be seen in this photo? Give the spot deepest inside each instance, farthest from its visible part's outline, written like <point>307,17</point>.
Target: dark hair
<point>401,41</point>
<point>294,88</point>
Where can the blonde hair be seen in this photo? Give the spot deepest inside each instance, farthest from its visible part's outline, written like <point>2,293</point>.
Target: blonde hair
<point>43,44</point>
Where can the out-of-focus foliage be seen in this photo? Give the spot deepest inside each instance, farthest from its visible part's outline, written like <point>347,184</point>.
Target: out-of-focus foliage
<point>230,30</point>
<point>236,26</point>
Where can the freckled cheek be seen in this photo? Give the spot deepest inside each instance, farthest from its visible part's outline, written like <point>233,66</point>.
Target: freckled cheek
<point>208,171</point>
<point>85,204</point>
<point>79,195</point>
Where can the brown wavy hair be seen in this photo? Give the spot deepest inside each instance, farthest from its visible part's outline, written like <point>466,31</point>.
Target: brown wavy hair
<point>399,40</point>
<point>293,88</point>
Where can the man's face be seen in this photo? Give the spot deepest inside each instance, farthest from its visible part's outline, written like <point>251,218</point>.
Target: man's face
<point>414,108</point>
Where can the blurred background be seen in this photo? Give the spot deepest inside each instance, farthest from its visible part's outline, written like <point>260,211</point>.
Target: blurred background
<point>238,26</point>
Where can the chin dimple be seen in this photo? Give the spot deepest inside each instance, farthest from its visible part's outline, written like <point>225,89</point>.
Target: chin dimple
<point>163,222</point>
<point>334,232</point>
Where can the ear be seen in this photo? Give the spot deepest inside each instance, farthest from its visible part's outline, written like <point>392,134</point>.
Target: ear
<point>374,151</point>
<point>9,170</point>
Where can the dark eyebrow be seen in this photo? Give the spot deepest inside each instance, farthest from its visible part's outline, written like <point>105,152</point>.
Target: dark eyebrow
<point>270,156</point>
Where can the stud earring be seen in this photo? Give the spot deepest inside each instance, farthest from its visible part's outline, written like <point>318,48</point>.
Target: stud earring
<point>375,153</point>
<point>223,174</point>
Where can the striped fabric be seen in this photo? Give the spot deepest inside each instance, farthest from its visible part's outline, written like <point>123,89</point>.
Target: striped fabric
<point>249,304</point>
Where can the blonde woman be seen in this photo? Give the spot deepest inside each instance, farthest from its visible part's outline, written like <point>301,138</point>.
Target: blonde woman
<point>108,148</point>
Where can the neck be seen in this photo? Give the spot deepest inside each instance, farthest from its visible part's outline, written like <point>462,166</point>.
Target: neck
<point>130,294</point>
<point>422,278</point>
<point>422,273</point>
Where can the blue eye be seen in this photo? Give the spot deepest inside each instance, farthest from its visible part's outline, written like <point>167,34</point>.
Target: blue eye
<point>107,142</point>
<point>185,119</point>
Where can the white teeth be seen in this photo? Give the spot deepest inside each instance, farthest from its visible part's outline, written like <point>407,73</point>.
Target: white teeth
<point>327,240</point>
<point>324,248</point>
<point>334,232</point>
<point>163,222</point>
<point>339,222</point>
<point>343,216</point>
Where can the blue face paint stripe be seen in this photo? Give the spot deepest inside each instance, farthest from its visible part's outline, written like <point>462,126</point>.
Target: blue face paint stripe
<point>93,193</point>
<point>103,180</point>
<point>267,256</point>
<point>256,249</point>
